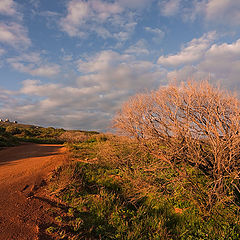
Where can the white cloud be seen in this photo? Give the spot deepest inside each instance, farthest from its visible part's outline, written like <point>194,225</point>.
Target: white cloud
<point>224,52</point>
<point>220,63</point>
<point>102,61</point>
<point>223,61</point>
<point>31,57</point>
<point>195,9</point>
<point>44,70</point>
<point>191,53</point>
<point>2,51</point>
<point>105,80</point>
<point>159,34</point>
<point>138,49</point>
<point>109,71</point>
<point>77,12</point>
<point>106,19</point>
<point>33,64</point>
<point>217,12</point>
<point>169,7</point>
<point>81,13</point>
<point>14,34</point>
<point>34,87</point>
<point>8,7</point>
<point>223,11</point>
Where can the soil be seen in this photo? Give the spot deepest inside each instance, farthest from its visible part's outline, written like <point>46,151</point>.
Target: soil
<point>23,204</point>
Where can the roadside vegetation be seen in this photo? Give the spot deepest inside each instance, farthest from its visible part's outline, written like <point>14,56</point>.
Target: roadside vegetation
<point>13,134</point>
<point>7,139</point>
<point>173,174</point>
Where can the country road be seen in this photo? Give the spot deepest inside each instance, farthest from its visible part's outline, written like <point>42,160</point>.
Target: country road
<point>22,171</point>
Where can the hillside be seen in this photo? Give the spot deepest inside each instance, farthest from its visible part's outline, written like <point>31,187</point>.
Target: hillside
<point>15,133</point>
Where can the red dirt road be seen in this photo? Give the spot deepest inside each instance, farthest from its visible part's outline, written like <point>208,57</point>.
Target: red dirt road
<point>22,173</point>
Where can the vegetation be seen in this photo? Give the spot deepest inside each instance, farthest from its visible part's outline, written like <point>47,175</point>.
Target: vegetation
<point>12,134</point>
<point>30,133</point>
<point>193,125</point>
<point>6,139</point>
<point>176,177</point>
<point>114,189</point>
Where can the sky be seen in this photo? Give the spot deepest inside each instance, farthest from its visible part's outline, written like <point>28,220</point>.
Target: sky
<point>72,63</point>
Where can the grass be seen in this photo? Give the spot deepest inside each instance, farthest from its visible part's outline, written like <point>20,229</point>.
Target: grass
<point>115,190</point>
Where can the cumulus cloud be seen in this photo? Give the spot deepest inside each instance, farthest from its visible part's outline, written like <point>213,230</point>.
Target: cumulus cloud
<point>217,12</point>
<point>33,64</point>
<point>169,7</point>
<point>194,10</point>
<point>44,71</point>
<point>105,80</point>
<point>14,34</point>
<point>80,13</point>
<point>157,33</point>
<point>2,51</point>
<point>138,49</point>
<point>223,11</point>
<point>220,63</point>
<point>8,7</point>
<point>192,52</point>
<point>106,19</point>
<point>223,63</point>
<point>102,61</point>
<point>110,70</point>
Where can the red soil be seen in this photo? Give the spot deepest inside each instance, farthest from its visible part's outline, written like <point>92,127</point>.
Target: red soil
<point>22,173</point>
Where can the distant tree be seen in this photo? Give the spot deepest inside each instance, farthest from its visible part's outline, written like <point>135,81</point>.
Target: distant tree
<point>193,123</point>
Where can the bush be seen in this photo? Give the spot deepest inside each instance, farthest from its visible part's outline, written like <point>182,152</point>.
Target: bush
<point>73,137</point>
<point>193,124</point>
<point>13,130</point>
<point>2,130</point>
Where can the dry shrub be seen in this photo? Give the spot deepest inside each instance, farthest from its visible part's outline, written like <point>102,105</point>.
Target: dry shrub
<point>139,172</point>
<point>72,137</point>
<point>114,151</point>
<point>193,124</point>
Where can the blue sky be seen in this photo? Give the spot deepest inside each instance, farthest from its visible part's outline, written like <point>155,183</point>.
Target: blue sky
<point>72,63</point>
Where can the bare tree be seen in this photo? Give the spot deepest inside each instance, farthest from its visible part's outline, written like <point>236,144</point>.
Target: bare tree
<point>192,123</point>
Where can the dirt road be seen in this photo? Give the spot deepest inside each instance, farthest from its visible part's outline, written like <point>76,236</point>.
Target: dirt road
<point>22,173</point>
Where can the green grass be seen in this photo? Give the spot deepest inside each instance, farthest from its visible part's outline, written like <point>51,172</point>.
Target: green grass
<point>118,191</point>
